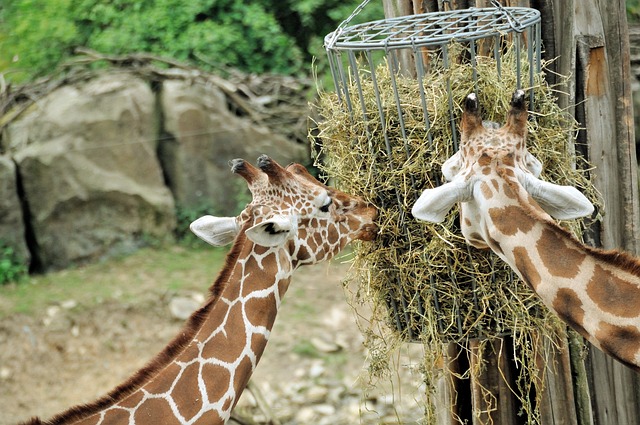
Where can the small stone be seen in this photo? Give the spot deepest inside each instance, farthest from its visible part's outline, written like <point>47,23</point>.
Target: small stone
<point>181,307</point>
<point>325,346</point>
<point>316,370</point>
<point>317,394</point>
<point>69,304</point>
<point>324,409</point>
<point>198,297</point>
<point>305,415</point>
<point>53,310</point>
<point>5,373</point>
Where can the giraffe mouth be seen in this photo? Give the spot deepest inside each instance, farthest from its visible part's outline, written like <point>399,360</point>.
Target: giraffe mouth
<point>368,233</point>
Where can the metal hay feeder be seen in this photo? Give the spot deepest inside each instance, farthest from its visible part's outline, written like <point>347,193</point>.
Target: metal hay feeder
<point>407,45</point>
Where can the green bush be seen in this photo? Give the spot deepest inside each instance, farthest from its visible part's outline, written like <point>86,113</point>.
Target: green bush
<point>257,36</point>
<point>12,267</point>
<point>633,11</point>
<point>184,217</point>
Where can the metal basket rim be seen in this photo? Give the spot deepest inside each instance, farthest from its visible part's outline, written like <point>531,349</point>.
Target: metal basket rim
<point>417,28</point>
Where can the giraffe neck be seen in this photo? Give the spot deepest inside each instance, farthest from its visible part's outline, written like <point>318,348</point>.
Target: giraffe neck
<point>203,380</point>
<point>596,292</point>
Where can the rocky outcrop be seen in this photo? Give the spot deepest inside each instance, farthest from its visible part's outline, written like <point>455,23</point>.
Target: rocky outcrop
<point>12,231</point>
<point>103,162</point>
<point>89,171</point>
<point>200,136</point>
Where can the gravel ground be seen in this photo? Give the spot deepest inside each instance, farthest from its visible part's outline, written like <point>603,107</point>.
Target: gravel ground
<point>312,371</point>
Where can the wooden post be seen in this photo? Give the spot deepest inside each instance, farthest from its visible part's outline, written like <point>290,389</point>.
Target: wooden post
<point>593,48</point>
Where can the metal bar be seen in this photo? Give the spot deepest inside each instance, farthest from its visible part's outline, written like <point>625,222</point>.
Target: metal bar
<point>431,29</point>
<point>452,116</point>
<point>497,55</point>
<point>530,48</point>
<point>518,64</point>
<point>356,78</point>
<point>474,72</point>
<point>420,75</point>
<point>376,92</point>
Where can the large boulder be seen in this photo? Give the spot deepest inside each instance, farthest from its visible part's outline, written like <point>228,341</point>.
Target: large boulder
<point>86,155</point>
<point>201,135</point>
<point>12,230</point>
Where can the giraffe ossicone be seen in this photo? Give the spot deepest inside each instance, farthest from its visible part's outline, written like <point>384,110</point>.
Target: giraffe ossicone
<point>506,208</point>
<point>197,379</point>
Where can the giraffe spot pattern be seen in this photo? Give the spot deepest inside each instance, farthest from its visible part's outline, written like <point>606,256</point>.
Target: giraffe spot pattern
<point>217,379</point>
<point>511,219</point>
<point>188,403</point>
<point>117,416</point>
<point>261,310</point>
<point>242,374</point>
<point>257,342</point>
<point>612,294</point>
<point>526,267</point>
<point>221,346</point>
<point>484,160</point>
<point>158,386</point>
<point>569,308</point>
<point>559,259</point>
<point>210,417</point>
<point>132,401</point>
<point>154,411</point>
<point>486,190</point>
<point>493,244</point>
<point>622,342</point>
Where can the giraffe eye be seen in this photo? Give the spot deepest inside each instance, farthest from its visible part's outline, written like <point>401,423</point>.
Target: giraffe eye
<point>325,207</point>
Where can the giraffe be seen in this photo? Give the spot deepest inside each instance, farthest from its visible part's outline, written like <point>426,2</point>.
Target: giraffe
<point>506,208</point>
<point>293,220</point>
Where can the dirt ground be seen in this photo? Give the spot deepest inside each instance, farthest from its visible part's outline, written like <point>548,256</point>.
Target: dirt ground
<point>311,372</point>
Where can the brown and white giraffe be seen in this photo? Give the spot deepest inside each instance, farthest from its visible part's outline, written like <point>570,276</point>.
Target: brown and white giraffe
<point>292,220</point>
<point>505,207</point>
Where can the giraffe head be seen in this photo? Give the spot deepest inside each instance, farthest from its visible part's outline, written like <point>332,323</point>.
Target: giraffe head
<point>291,209</point>
<point>493,165</point>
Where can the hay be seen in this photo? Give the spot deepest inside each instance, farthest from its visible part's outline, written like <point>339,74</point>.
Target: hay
<point>422,279</point>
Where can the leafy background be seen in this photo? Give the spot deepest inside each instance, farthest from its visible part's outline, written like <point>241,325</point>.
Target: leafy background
<point>279,36</point>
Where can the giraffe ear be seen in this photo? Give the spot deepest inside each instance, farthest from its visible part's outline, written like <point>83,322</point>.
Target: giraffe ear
<point>560,202</point>
<point>272,232</point>
<point>451,166</point>
<point>533,164</point>
<point>217,231</point>
<point>434,204</point>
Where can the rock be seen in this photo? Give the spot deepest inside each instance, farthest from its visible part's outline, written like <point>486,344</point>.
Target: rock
<point>5,373</point>
<point>324,346</point>
<point>12,231</point>
<point>316,370</point>
<point>324,409</point>
<point>86,155</point>
<point>316,394</point>
<point>305,415</point>
<point>201,136</point>
<point>69,304</point>
<point>181,307</point>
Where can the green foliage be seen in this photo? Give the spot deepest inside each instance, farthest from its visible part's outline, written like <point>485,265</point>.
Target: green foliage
<point>633,11</point>
<point>12,266</point>
<point>184,217</point>
<point>255,36</point>
<point>305,348</point>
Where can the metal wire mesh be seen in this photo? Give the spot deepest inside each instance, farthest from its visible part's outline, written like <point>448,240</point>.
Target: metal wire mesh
<point>406,47</point>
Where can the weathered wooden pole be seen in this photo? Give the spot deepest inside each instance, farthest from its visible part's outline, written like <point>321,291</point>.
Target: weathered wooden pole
<point>591,41</point>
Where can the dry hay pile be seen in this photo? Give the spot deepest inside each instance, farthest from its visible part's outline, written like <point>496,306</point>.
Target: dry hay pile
<point>422,280</point>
